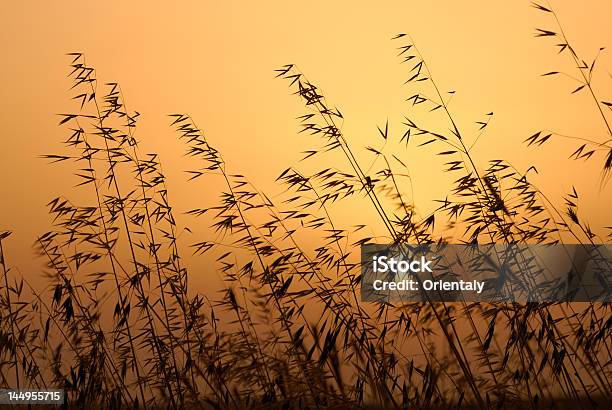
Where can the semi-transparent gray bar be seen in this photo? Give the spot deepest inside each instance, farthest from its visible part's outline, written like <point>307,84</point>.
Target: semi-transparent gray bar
<point>486,273</point>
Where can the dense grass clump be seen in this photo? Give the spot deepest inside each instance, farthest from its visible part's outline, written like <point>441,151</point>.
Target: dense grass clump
<point>118,326</point>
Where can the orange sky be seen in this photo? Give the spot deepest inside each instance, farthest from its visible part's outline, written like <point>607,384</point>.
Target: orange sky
<point>215,60</point>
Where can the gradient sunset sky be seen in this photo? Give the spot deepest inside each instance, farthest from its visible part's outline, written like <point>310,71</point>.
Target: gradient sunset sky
<point>216,61</point>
